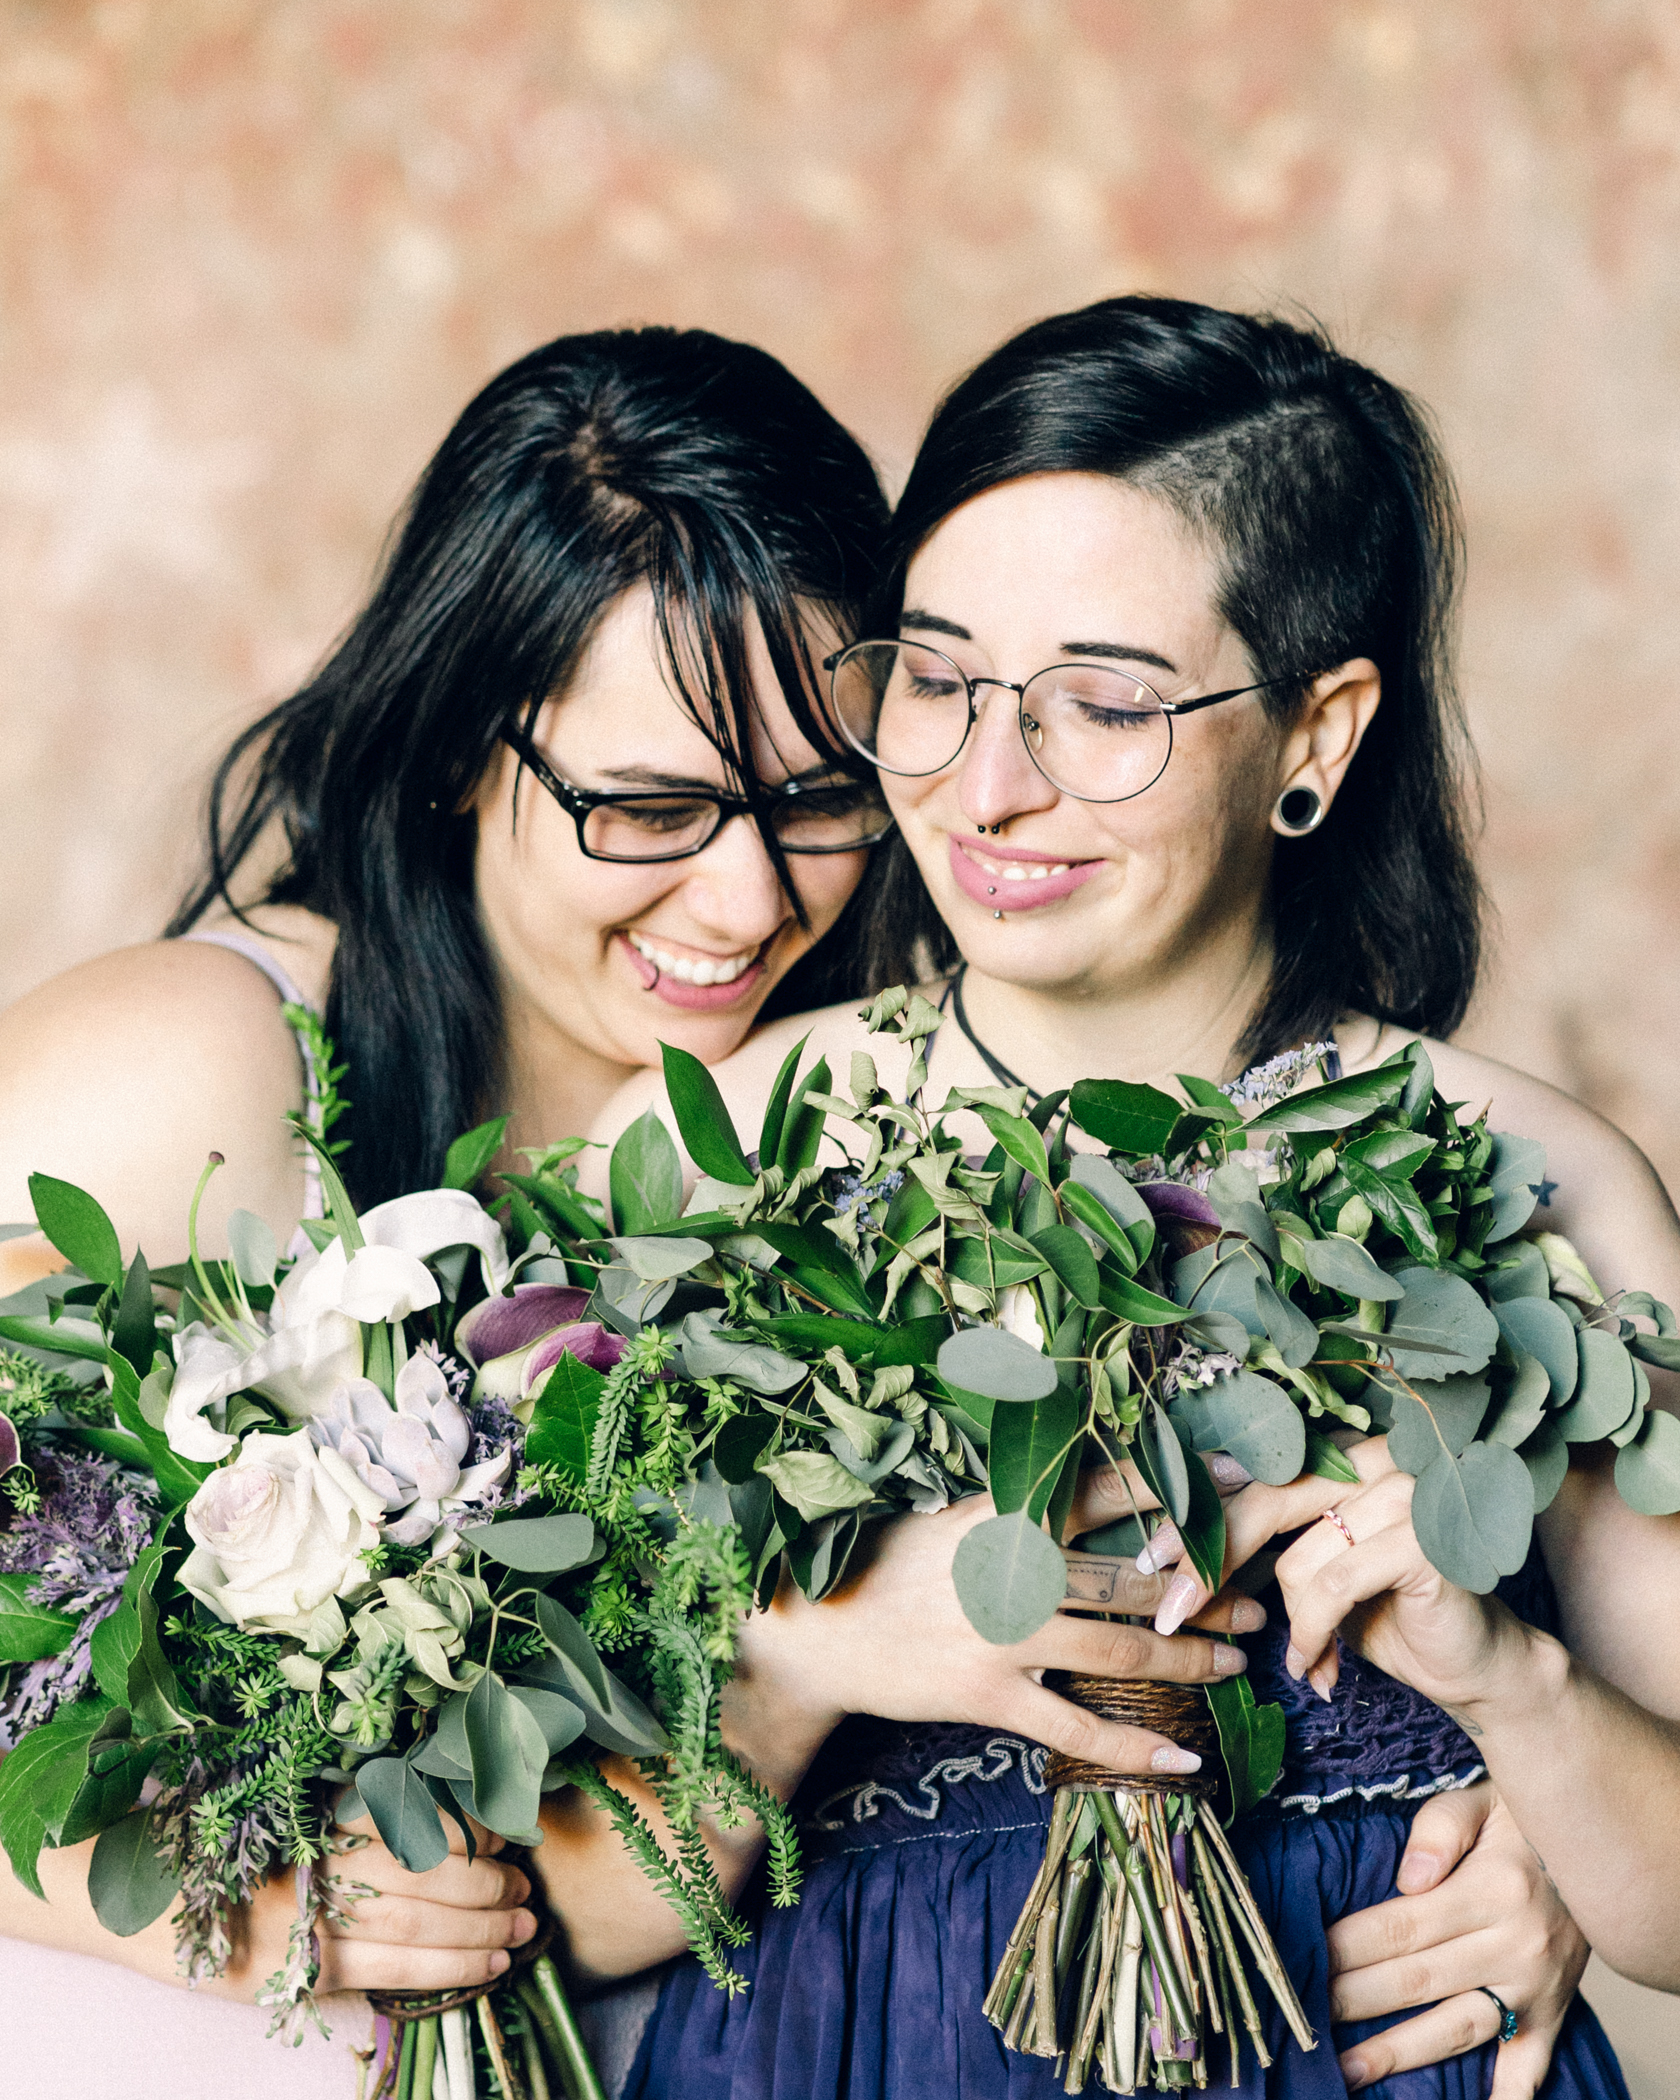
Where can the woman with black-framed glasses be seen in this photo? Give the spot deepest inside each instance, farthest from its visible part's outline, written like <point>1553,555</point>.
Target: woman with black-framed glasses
<point>614,583</point>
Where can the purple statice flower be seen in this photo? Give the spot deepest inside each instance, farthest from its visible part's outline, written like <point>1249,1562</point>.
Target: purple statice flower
<point>495,1429</point>
<point>849,1190</point>
<point>93,1521</point>
<point>1264,1086</point>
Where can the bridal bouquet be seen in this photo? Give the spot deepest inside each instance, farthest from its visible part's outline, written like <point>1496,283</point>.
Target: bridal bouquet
<point>267,1563</point>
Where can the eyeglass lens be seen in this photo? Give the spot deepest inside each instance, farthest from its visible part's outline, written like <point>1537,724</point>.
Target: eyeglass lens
<point>1093,732</point>
<point>836,819</point>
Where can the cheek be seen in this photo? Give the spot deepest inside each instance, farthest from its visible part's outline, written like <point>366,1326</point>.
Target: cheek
<point>539,894</point>
<point>826,883</point>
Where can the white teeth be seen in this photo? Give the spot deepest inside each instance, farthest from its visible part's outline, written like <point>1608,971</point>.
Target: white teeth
<point>688,969</point>
<point>1039,871</point>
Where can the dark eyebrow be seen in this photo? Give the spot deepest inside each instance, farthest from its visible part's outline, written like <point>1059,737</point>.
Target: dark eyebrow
<point>1126,652</point>
<point>686,784</point>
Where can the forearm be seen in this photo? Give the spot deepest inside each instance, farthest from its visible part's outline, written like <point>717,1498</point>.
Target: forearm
<point>615,1920</point>
<point>1593,1781</point>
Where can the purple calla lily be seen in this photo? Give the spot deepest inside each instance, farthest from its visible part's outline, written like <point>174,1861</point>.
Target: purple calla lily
<point>587,1340</point>
<point>502,1325</point>
<point>10,1449</point>
<point>1171,1199</point>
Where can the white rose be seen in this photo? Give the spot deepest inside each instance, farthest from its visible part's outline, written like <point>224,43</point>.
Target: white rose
<point>275,1534</point>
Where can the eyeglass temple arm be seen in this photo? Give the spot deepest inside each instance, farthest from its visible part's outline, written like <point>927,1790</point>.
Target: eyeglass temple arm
<point>1236,692</point>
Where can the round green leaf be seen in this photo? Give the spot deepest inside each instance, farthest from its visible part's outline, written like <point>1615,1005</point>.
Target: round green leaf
<point>1517,1270</point>
<point>1444,1417</point>
<point>1605,1393</point>
<point>1546,1456</point>
<point>1648,1469</point>
<point>1521,1406</point>
<point>1340,1264</point>
<point>559,1718</point>
<point>1474,1516</point>
<point>996,1364</point>
<point>508,1756</point>
<point>1250,1417</point>
<point>403,1812</point>
<point>535,1545</point>
<point>1540,1328</point>
<point>1439,1327</point>
<point>1009,1577</point>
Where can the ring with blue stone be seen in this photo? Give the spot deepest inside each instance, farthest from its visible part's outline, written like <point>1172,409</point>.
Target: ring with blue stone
<point>1507,2018</point>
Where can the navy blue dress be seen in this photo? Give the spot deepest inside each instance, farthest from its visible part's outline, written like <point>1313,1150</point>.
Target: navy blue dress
<point>920,1845</point>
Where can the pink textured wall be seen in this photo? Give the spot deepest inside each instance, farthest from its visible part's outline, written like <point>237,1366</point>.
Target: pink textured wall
<point>256,253</point>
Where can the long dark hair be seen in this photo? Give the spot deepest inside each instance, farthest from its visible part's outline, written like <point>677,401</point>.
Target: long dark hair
<point>700,466</point>
<point>1323,489</point>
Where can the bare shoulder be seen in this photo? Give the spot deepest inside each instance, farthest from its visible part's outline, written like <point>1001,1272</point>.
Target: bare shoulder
<point>1600,1189</point>
<point>124,1073</point>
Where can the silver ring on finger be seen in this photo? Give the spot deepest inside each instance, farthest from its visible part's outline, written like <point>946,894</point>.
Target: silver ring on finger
<point>1334,1516</point>
<point>1507,2018</point>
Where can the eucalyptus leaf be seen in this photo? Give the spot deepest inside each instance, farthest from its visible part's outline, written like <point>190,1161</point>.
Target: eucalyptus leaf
<point>660,1260</point>
<point>1546,1456</point>
<point>1648,1469</point>
<point>535,1545</point>
<point>1250,1417</point>
<point>1519,1171</point>
<point>403,1811</point>
<point>1440,1327</point>
<point>560,1719</point>
<point>1009,1577</point>
<point>1337,1263</point>
<point>623,1300</point>
<point>568,1639</point>
<point>1101,1178</point>
<point>1605,1392</point>
<point>1474,1515</point>
<point>890,1455</point>
<point>1522,1405</point>
<point>1294,1336</point>
<point>1539,1327</point>
<point>996,1364</point>
<point>129,1882</point>
<point>1219,1331</point>
<point>1517,1270</point>
<point>508,1756</point>
<point>1160,1459</point>
<point>1444,1418</point>
<point>713,1351</point>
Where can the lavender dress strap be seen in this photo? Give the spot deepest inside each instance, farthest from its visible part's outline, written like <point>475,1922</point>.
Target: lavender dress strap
<point>254,952</point>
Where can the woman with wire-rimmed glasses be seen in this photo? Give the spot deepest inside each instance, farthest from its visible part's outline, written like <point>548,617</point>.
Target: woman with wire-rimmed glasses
<point>1159,687</point>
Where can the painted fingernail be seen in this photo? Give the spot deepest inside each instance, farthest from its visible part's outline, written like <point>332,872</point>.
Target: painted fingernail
<point>1319,1678</point>
<point>1248,1615</point>
<point>1227,1471</point>
<point>1169,1758</point>
<point>1177,1604</point>
<point>499,1961</point>
<point>1294,1661</point>
<point>1228,1661</point>
<point>1355,2073</point>
<point>523,1927</point>
<point>1163,1548</point>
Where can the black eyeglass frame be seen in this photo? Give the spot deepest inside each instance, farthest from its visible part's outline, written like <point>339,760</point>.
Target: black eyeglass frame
<point>581,803</point>
<point>1171,709</point>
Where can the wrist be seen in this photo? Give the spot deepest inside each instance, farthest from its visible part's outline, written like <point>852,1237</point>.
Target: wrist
<point>1523,1677</point>
<point>770,1727</point>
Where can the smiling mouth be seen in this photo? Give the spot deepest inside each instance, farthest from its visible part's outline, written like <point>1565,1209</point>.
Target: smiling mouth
<point>1016,871</point>
<point>692,969</point>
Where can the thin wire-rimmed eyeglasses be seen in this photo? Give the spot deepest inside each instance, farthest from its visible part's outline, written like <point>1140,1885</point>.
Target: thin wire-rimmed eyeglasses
<point>1094,732</point>
<point>842,816</point>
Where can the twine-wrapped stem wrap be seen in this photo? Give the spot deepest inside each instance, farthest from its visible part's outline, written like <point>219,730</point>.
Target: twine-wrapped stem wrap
<point>1177,1711</point>
<point>1140,1943</point>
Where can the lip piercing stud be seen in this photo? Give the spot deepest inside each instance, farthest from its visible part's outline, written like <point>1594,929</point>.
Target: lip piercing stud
<point>992,891</point>
<point>997,915</point>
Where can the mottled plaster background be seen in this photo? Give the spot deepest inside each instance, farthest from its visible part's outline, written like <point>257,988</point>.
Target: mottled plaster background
<point>255,254</point>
